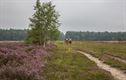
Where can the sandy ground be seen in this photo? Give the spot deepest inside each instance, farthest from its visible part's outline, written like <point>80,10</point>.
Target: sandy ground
<point>114,42</point>
<point>117,58</point>
<point>117,74</point>
<point>11,41</point>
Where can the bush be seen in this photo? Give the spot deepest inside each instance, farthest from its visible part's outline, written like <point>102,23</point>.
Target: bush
<point>18,63</point>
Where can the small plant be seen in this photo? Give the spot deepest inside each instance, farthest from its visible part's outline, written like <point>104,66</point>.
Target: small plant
<point>17,64</point>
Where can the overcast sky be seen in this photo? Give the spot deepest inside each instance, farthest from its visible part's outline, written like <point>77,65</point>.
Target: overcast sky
<point>76,15</point>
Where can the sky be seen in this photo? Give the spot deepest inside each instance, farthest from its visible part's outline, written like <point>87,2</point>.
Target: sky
<point>76,15</point>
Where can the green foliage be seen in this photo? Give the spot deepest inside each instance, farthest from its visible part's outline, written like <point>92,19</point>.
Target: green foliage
<point>62,36</point>
<point>65,65</point>
<point>20,35</point>
<point>96,36</point>
<point>13,34</point>
<point>44,24</point>
<point>54,35</point>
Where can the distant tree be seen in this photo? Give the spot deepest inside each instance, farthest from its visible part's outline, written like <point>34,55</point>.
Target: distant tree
<point>13,34</point>
<point>44,24</point>
<point>62,36</point>
<point>96,36</point>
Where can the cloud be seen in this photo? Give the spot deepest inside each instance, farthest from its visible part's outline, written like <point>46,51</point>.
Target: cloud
<point>91,15</point>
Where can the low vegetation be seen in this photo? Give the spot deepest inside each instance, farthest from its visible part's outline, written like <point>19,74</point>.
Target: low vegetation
<point>31,62</point>
<point>67,64</point>
<point>22,62</point>
<point>106,52</point>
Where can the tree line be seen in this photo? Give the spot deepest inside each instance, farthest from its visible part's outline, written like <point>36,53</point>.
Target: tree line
<point>19,35</point>
<point>13,34</point>
<point>96,36</point>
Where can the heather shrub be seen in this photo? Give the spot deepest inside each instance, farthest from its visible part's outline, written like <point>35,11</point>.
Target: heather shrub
<point>10,58</point>
<point>22,62</point>
<point>10,73</point>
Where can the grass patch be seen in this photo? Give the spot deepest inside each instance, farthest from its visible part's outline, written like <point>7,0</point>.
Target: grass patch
<point>116,63</point>
<point>65,64</point>
<point>100,50</point>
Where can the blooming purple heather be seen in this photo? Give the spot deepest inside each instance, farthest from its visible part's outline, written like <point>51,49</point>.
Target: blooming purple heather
<point>22,62</point>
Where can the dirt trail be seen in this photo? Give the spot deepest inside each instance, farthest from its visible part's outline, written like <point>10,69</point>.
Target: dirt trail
<point>119,59</point>
<point>117,74</point>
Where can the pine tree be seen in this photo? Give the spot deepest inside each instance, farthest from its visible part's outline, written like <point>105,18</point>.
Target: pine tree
<point>44,24</point>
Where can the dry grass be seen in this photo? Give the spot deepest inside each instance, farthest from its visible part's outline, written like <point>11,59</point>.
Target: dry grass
<point>65,64</point>
<point>103,51</point>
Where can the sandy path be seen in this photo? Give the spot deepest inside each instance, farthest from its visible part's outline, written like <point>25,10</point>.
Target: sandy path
<point>11,41</point>
<point>116,58</point>
<point>117,74</point>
